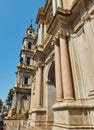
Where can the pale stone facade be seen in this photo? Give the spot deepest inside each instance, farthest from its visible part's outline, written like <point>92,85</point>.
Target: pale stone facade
<point>62,84</point>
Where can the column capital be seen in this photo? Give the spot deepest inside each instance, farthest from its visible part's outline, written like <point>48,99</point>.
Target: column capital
<point>40,64</point>
<point>62,34</point>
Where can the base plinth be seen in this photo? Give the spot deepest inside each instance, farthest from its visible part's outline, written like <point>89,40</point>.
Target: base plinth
<point>73,115</point>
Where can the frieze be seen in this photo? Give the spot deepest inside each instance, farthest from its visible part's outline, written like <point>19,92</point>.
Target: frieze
<point>87,17</point>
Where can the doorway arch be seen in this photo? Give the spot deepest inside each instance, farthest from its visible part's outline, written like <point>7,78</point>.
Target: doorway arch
<point>51,90</point>
<point>24,104</point>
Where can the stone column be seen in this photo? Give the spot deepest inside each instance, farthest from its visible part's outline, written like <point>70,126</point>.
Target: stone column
<point>66,70</point>
<point>59,88</point>
<point>32,97</point>
<point>14,101</point>
<point>59,4</point>
<point>54,6</point>
<point>39,86</point>
<point>36,84</point>
<point>18,77</point>
<point>40,31</point>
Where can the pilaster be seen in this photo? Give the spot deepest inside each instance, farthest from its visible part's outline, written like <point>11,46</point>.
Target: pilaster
<point>59,3</point>
<point>54,6</point>
<point>40,32</point>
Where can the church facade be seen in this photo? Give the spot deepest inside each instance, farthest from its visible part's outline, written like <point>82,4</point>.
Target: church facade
<point>62,85</point>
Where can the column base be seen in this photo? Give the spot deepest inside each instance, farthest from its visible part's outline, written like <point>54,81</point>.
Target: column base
<point>73,115</point>
<point>59,100</point>
<point>38,117</point>
<point>69,98</point>
<point>65,127</point>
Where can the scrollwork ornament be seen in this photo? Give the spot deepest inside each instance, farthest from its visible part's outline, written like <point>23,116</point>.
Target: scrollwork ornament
<point>40,63</point>
<point>85,18</point>
<point>55,40</point>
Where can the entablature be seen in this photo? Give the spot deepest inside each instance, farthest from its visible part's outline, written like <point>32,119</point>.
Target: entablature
<point>38,52</point>
<point>26,69</point>
<point>42,12</point>
<point>72,20</point>
<point>25,50</point>
<point>30,37</point>
<point>22,89</point>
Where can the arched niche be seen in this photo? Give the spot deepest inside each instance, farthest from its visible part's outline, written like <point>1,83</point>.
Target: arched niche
<point>24,104</point>
<point>51,89</point>
<point>51,74</point>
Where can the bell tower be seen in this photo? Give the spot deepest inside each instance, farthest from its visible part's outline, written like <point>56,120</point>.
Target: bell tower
<point>22,89</point>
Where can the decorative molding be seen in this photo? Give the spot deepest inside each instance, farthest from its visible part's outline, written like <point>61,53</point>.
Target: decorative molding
<point>85,18</point>
<point>40,63</point>
<point>62,34</point>
<point>55,40</point>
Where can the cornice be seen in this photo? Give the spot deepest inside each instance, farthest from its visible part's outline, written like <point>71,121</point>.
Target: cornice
<point>40,15</point>
<point>26,68</point>
<point>65,23</point>
<point>47,4</point>
<point>84,19</point>
<point>42,50</point>
<point>73,19</point>
<point>43,11</point>
<point>27,51</point>
<point>28,37</point>
<point>60,19</point>
<point>38,52</point>
<point>19,89</point>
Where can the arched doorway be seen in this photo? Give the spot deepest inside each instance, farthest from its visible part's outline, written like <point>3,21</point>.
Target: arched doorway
<point>51,91</point>
<point>24,104</point>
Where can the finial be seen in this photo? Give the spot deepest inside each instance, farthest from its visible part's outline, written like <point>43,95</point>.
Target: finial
<point>31,23</point>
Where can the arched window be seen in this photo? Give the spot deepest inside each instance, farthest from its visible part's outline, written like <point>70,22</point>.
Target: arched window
<point>24,97</point>
<point>26,80</point>
<point>28,60</point>
<point>29,45</point>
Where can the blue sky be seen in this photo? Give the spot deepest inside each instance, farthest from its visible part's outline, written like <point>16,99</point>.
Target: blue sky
<point>15,17</point>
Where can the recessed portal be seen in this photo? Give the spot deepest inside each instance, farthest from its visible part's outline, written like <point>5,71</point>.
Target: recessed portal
<point>51,89</point>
